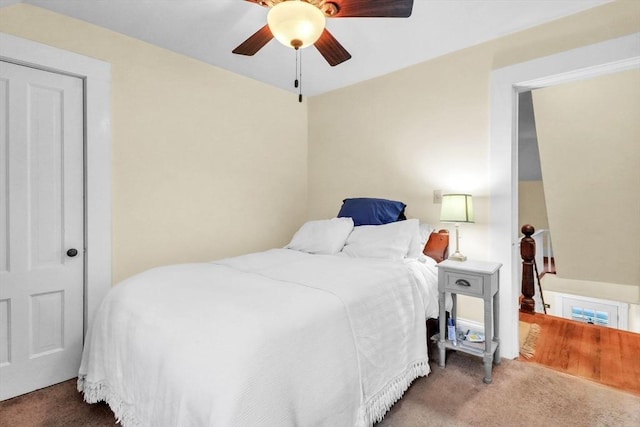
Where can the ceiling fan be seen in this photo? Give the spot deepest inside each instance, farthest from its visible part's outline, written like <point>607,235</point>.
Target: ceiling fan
<point>300,23</point>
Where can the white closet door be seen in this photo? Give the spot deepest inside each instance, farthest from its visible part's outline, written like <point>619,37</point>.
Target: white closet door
<point>41,224</point>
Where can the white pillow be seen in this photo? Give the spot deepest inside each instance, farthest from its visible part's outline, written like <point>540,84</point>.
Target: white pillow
<point>419,240</point>
<point>326,236</point>
<point>390,241</point>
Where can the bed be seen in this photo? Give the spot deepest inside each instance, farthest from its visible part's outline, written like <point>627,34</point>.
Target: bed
<point>328,331</point>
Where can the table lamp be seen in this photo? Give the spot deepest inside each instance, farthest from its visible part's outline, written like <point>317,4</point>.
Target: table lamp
<point>457,208</point>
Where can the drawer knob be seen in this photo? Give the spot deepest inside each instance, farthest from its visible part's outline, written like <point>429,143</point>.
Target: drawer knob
<point>462,282</point>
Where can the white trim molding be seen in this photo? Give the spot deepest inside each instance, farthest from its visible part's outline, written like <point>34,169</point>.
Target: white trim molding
<point>506,83</point>
<point>96,75</point>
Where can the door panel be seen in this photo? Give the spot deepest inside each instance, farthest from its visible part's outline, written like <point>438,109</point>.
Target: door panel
<point>5,348</point>
<point>41,288</point>
<point>4,177</point>
<point>47,333</point>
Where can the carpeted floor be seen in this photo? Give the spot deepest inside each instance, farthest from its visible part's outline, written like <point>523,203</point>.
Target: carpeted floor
<point>57,406</point>
<point>522,394</point>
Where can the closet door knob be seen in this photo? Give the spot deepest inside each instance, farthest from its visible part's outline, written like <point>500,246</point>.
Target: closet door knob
<point>72,252</point>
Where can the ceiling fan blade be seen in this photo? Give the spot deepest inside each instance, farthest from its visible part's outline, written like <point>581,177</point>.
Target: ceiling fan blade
<point>331,49</point>
<point>373,9</point>
<point>264,3</point>
<point>254,43</point>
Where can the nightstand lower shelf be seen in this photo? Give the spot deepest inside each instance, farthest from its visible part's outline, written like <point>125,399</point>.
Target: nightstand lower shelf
<point>477,349</point>
<point>470,348</point>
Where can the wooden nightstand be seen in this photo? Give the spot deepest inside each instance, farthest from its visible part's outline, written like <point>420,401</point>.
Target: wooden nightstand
<point>475,279</point>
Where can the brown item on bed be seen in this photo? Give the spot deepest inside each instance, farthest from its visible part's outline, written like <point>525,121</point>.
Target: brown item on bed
<point>437,246</point>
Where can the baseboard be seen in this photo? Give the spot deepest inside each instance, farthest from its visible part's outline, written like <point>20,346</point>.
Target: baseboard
<point>466,324</point>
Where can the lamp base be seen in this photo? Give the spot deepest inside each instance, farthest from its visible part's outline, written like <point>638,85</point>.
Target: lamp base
<point>457,256</point>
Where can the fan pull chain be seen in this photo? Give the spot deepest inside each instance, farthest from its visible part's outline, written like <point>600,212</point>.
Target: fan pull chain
<point>298,81</point>
<point>295,83</point>
<point>300,78</point>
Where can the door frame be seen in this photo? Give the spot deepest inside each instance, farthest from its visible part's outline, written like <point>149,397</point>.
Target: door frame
<point>610,56</point>
<point>96,76</point>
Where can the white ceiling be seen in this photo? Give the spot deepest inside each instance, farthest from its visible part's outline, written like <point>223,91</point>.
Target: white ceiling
<point>209,30</point>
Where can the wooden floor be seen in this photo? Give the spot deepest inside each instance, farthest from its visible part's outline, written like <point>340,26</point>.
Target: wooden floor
<point>604,355</point>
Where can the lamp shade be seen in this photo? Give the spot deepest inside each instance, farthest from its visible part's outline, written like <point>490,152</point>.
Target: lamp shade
<point>456,208</point>
<point>296,23</point>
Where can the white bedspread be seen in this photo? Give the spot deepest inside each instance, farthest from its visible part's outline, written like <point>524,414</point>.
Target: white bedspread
<point>278,338</point>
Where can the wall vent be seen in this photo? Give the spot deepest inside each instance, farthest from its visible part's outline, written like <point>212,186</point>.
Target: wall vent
<point>613,314</point>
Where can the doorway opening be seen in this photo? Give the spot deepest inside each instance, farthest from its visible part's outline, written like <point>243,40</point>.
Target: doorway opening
<point>602,58</point>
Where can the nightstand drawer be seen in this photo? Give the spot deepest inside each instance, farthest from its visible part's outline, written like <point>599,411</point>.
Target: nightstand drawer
<point>466,284</point>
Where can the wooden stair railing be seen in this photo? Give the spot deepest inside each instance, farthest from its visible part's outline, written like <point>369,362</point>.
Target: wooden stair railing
<point>528,253</point>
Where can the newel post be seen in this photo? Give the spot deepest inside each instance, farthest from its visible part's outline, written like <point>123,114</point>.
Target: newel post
<point>528,253</point>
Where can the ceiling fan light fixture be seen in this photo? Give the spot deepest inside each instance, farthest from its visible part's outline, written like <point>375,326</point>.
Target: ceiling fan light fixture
<point>296,23</point>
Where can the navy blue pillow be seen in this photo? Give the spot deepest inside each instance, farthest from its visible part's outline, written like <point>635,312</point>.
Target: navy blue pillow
<point>368,211</point>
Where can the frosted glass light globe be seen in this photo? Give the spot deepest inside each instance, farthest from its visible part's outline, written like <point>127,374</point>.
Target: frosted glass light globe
<point>296,23</point>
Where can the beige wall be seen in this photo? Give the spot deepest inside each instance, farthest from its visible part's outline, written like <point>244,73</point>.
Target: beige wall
<point>199,170</point>
<point>427,127</point>
<point>532,208</point>
<point>401,137</point>
<point>589,140</point>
